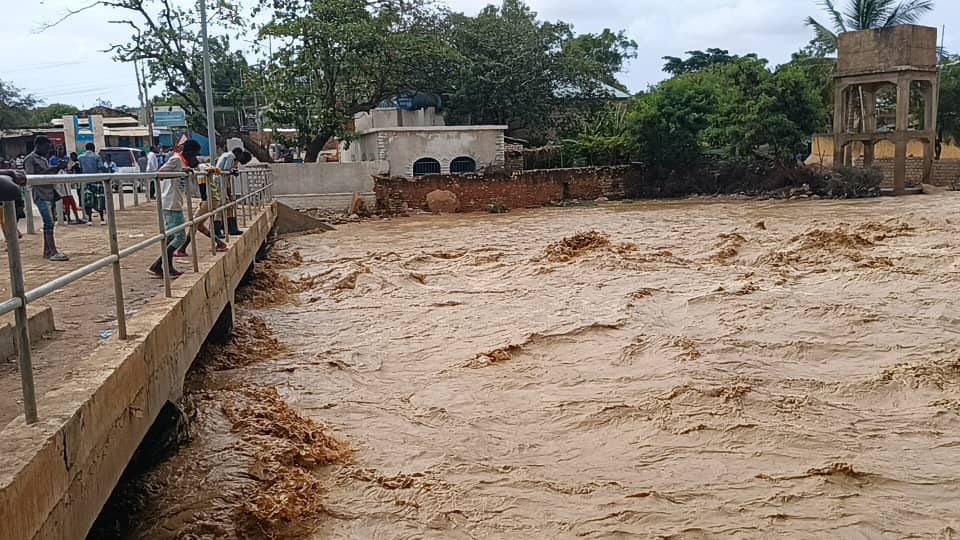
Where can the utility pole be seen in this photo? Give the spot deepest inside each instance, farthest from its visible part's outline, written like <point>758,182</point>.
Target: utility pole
<point>208,83</point>
<point>145,103</point>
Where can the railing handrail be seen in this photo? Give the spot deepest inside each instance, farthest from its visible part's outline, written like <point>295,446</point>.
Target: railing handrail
<point>84,178</point>
<point>250,198</point>
<point>49,179</point>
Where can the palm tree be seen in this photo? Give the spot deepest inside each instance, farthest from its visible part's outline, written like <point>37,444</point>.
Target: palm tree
<point>864,15</point>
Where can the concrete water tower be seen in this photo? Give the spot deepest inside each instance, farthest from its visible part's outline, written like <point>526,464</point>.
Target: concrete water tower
<point>902,56</point>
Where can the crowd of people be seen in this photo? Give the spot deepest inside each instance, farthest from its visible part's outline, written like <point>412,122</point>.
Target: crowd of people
<point>56,202</point>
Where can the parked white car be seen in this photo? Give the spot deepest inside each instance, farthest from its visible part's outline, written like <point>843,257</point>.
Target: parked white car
<point>128,160</point>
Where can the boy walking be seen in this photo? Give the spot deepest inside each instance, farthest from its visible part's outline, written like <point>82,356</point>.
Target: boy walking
<point>171,201</point>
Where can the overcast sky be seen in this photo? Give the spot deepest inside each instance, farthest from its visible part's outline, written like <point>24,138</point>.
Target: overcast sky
<point>64,64</point>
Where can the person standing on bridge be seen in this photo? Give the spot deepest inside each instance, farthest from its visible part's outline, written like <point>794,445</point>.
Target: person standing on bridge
<point>153,165</point>
<point>94,196</point>
<point>45,195</point>
<point>171,202</point>
<point>229,165</point>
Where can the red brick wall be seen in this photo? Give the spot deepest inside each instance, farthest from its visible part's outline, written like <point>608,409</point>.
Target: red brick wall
<point>523,189</point>
<point>946,172</point>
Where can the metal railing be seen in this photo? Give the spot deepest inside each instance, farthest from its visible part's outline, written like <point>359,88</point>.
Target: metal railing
<point>252,189</point>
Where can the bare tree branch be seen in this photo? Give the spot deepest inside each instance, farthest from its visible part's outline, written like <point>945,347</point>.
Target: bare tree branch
<point>71,12</point>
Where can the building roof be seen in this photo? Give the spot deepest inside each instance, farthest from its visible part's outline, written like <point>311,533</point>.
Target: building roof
<point>436,128</point>
<point>107,121</point>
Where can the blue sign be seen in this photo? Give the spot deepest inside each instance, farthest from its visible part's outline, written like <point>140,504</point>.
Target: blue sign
<point>169,118</point>
<point>82,135</point>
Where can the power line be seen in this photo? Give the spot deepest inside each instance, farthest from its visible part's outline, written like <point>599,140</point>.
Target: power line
<point>40,66</point>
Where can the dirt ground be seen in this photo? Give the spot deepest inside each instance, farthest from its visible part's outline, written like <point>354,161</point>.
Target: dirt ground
<point>690,369</point>
<point>85,309</point>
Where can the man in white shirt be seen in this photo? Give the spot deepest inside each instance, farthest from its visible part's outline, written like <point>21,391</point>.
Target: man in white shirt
<point>229,164</point>
<point>171,202</point>
<point>153,165</point>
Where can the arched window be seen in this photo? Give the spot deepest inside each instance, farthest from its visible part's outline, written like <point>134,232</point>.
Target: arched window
<point>463,164</point>
<point>425,166</point>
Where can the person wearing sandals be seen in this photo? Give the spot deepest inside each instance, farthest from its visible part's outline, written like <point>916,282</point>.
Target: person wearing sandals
<point>45,196</point>
<point>171,201</point>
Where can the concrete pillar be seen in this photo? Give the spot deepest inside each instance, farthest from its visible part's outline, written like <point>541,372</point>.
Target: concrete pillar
<point>931,104</point>
<point>96,125</point>
<point>900,165</point>
<point>839,117</point>
<point>70,135</point>
<point>869,94</point>
<point>929,151</point>
<point>903,125</point>
<point>903,104</point>
<point>868,153</point>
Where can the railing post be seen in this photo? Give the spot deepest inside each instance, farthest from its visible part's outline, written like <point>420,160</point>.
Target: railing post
<point>192,231</point>
<point>245,188</point>
<point>223,205</point>
<point>136,192</point>
<point>165,262</point>
<point>119,184</point>
<point>28,209</point>
<point>211,209</point>
<point>17,290</point>
<point>117,277</point>
<point>259,193</point>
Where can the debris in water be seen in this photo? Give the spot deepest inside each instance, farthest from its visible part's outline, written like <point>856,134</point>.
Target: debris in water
<point>496,356</point>
<point>250,342</point>
<point>267,288</point>
<point>284,260</point>
<point>641,293</point>
<point>289,447</point>
<point>571,247</point>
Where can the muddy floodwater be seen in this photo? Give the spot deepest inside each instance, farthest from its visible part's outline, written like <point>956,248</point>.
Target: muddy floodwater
<point>687,370</point>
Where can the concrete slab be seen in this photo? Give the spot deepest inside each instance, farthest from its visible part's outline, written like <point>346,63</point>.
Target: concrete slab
<point>290,221</point>
<point>41,323</point>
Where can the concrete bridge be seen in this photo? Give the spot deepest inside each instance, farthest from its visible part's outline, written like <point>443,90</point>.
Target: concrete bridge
<point>56,474</point>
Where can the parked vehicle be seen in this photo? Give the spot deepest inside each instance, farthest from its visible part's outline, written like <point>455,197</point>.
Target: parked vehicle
<point>128,161</point>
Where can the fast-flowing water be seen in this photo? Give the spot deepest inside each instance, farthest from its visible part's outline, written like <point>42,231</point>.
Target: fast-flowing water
<point>693,369</point>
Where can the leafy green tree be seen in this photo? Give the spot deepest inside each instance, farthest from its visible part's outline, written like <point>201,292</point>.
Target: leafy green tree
<point>759,108</point>
<point>666,123</point>
<point>522,72</point>
<point>43,115</point>
<point>15,107</point>
<point>512,67</point>
<point>948,116</point>
<point>601,56</point>
<point>335,58</point>
<point>739,109</point>
<point>864,15</point>
<point>696,61</point>
<point>231,75</point>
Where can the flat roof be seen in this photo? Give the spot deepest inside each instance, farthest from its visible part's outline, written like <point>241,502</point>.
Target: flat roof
<point>435,128</point>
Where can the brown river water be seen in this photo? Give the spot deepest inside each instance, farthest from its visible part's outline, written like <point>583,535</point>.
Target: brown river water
<point>691,369</point>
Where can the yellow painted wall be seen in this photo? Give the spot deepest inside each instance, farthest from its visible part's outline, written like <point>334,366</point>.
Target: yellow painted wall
<point>823,150</point>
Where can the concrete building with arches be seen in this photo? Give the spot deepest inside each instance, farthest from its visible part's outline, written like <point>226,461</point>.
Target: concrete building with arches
<point>419,143</point>
<point>903,61</point>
